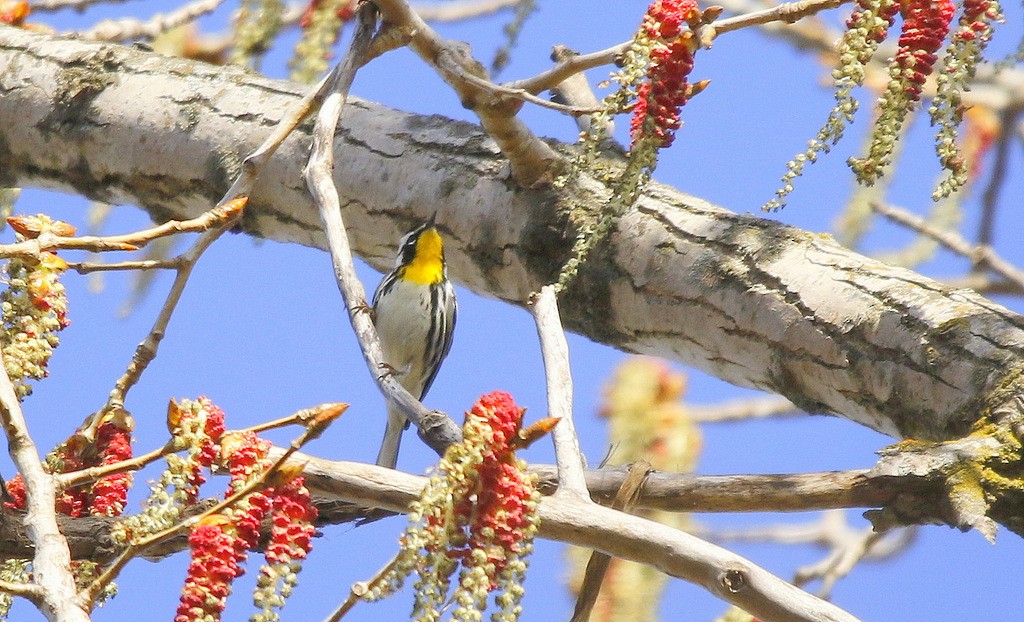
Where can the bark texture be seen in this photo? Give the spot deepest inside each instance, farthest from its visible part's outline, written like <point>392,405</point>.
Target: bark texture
<point>754,302</point>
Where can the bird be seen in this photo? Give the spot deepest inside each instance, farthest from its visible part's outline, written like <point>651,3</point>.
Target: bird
<point>414,311</point>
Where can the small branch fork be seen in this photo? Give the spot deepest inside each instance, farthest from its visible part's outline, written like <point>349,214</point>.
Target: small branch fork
<point>982,257</point>
<point>847,546</point>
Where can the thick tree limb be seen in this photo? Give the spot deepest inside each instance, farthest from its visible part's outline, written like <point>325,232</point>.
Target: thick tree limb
<point>751,301</point>
<point>880,487</point>
<point>583,523</point>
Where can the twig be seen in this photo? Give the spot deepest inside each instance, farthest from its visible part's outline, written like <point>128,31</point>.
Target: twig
<point>521,94</point>
<point>436,429</point>
<point>858,546</point>
<point>456,10</point>
<point>555,351</point>
<point>48,242</point>
<point>128,28</point>
<point>598,564</point>
<point>1000,167</point>
<point>745,409</point>
<point>51,561</point>
<point>787,12</point>
<point>847,546</point>
<point>981,256</point>
<point>60,5</point>
<point>551,78</point>
<point>984,284</point>
<point>360,589</point>
<point>28,591</point>
<point>221,218</point>
<point>92,474</point>
<point>83,267</point>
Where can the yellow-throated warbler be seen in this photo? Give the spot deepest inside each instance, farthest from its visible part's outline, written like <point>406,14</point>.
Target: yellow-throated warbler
<point>414,312</point>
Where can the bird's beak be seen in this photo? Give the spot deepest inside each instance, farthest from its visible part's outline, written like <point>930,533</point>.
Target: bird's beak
<point>430,223</point>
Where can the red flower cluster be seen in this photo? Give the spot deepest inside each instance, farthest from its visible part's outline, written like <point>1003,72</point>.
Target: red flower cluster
<point>222,545</point>
<point>925,26</point>
<point>660,97</point>
<point>67,458</point>
<point>213,568</point>
<point>497,516</point>
<point>109,495</point>
<point>246,458</point>
<point>292,516</point>
<point>213,429</point>
<point>17,492</point>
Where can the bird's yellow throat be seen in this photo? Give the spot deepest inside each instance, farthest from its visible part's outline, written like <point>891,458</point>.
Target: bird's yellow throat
<point>427,267</point>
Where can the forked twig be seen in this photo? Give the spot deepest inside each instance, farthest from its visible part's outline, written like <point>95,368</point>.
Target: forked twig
<point>981,256</point>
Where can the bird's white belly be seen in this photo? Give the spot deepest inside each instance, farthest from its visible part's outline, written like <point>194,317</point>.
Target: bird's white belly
<point>406,325</point>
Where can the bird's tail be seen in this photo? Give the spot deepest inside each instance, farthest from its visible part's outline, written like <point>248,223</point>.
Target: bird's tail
<point>388,455</point>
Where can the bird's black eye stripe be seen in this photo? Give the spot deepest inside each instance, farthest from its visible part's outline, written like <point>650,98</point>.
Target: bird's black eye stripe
<point>408,249</point>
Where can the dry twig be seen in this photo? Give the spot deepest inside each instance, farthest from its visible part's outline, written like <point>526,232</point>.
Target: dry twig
<point>129,28</point>
<point>555,351</point>
<point>597,565</point>
<point>847,546</point>
<point>770,407</point>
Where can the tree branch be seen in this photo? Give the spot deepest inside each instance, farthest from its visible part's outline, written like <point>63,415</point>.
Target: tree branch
<point>51,561</point>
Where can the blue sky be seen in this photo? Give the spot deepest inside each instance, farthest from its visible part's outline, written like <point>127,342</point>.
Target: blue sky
<point>261,331</point>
